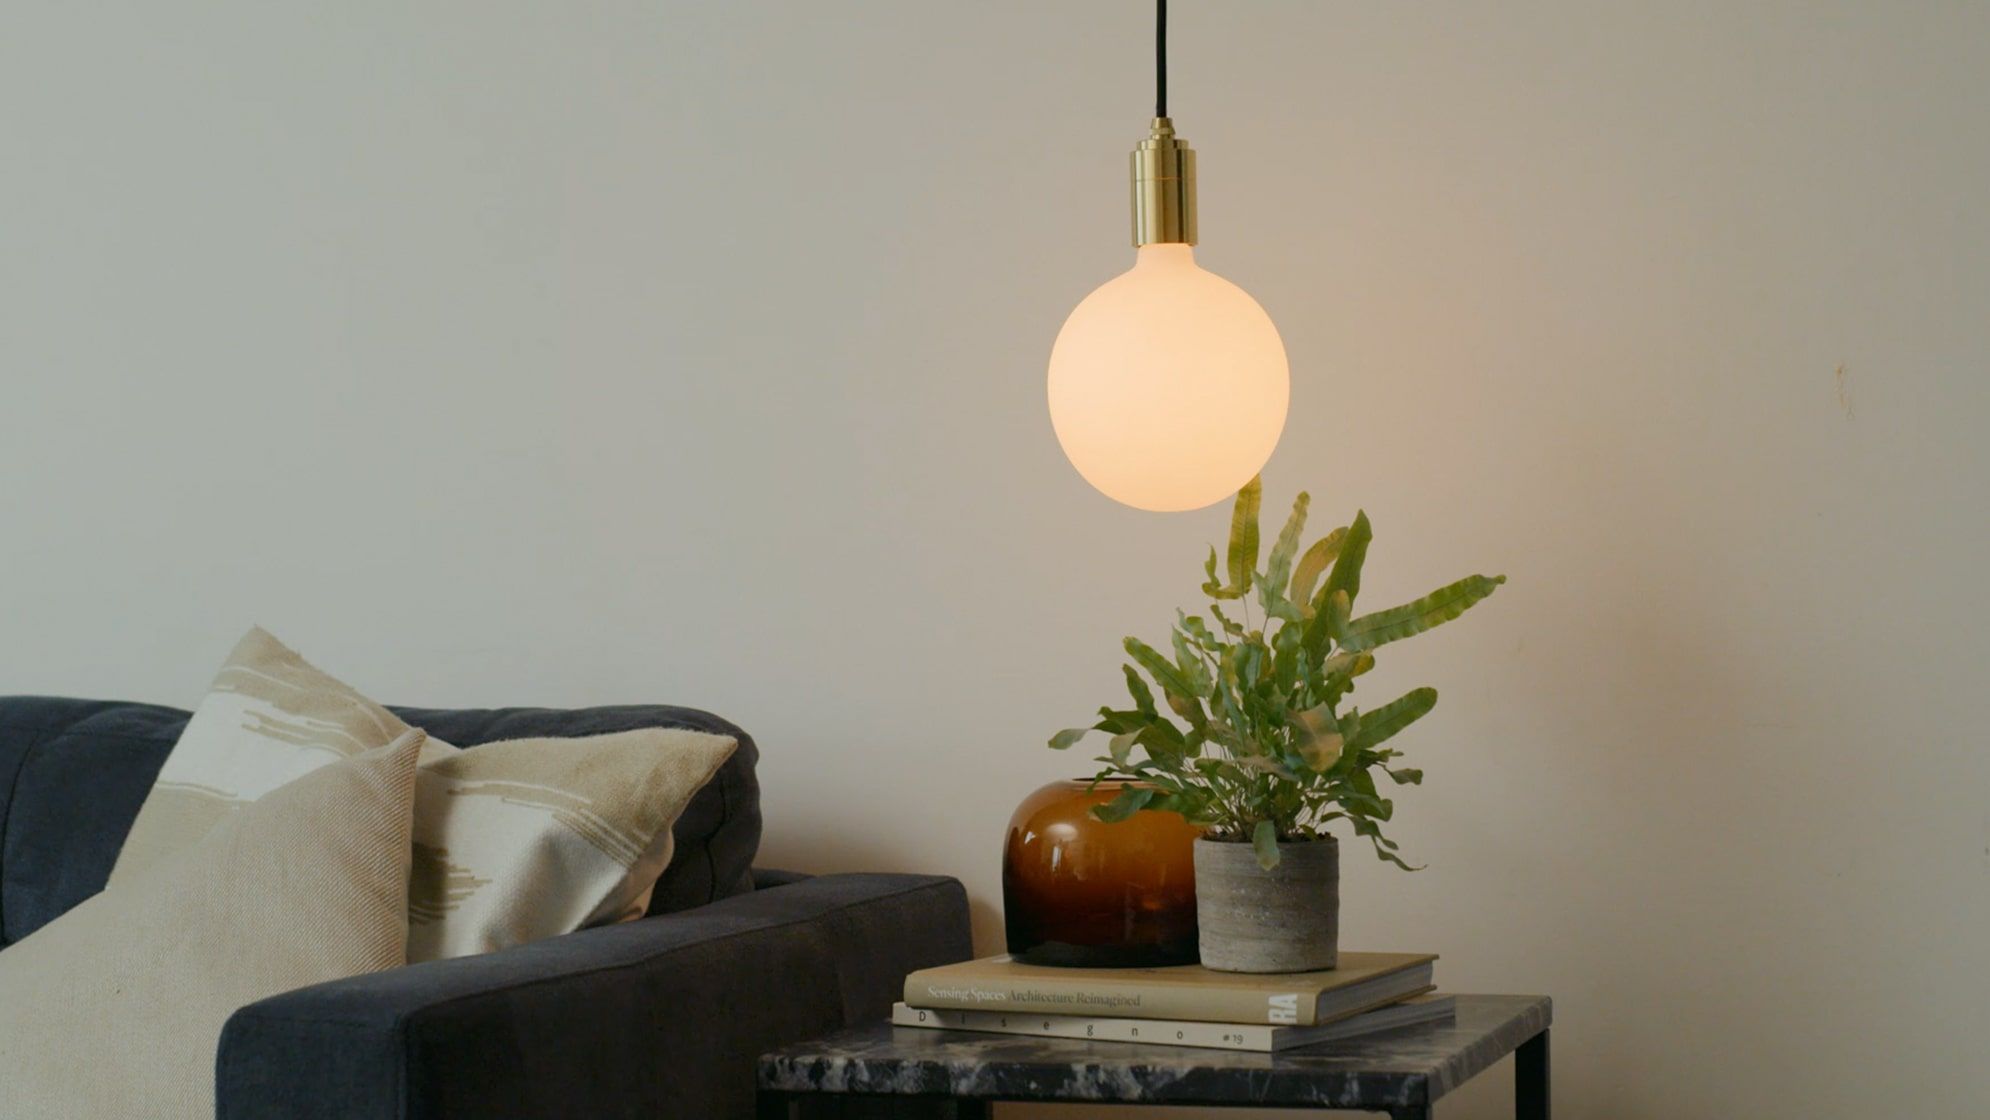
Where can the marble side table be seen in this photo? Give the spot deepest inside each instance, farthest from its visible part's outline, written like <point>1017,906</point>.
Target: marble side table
<point>910,1071</point>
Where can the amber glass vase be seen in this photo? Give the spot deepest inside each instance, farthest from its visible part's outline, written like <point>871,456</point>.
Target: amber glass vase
<point>1082,893</point>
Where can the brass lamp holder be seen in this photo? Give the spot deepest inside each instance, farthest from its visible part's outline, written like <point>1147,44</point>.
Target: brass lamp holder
<point>1163,188</point>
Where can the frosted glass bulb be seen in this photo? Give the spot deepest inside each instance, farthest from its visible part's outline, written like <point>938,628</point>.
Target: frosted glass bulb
<point>1168,384</point>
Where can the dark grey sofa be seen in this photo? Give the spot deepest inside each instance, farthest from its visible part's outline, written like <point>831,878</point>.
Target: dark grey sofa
<point>657,1018</point>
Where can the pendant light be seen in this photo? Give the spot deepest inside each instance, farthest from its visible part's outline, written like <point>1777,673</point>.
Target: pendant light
<point>1168,384</point>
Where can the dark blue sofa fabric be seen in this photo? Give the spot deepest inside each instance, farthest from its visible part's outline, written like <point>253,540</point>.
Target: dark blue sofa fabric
<point>72,776</point>
<point>74,772</point>
<point>659,1018</point>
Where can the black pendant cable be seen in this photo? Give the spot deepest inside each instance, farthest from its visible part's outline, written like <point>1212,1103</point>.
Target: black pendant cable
<point>1160,58</point>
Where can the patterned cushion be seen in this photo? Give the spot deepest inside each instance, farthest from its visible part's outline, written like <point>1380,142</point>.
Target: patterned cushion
<point>513,841</point>
<point>113,1008</point>
<point>268,718</point>
<point>532,838</point>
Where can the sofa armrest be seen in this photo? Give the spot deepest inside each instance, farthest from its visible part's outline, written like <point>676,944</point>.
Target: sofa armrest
<point>659,1017</point>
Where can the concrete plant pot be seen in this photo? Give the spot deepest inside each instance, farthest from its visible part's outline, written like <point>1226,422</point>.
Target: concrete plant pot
<point>1283,920</point>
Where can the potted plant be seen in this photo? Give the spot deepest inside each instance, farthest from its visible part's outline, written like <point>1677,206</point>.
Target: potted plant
<point>1259,746</point>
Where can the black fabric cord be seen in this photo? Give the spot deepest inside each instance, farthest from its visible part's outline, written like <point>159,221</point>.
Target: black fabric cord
<point>1160,58</point>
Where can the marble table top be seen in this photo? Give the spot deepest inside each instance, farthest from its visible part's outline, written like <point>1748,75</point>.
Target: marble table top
<point>1406,1067</point>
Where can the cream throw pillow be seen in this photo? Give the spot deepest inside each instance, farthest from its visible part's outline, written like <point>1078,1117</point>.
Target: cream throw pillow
<point>513,841</point>
<point>115,1008</point>
<point>268,719</point>
<point>528,838</point>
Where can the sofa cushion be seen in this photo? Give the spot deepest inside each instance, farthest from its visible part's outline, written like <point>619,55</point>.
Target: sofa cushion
<point>73,774</point>
<point>719,832</point>
<point>113,1008</point>
<point>530,838</point>
<point>518,840</point>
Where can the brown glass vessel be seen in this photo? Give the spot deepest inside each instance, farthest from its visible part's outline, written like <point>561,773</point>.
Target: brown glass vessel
<point>1079,892</point>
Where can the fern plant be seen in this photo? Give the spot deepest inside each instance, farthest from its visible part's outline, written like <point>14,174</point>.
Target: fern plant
<point>1257,743</point>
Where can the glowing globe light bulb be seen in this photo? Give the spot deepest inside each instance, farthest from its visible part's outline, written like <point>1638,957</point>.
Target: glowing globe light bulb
<point>1168,384</point>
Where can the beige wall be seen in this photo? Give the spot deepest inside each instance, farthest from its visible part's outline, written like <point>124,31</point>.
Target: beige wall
<point>564,354</point>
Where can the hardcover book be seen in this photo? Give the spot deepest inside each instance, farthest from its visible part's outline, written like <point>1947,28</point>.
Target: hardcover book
<point>1183,1032</point>
<point>1292,999</point>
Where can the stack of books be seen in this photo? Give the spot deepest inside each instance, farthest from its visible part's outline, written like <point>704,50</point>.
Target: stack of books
<point>1183,1005</point>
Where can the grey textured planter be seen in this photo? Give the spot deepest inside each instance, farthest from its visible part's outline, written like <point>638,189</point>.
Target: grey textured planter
<point>1283,920</point>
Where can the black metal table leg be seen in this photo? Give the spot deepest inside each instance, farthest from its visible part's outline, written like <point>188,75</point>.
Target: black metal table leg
<point>772,1105</point>
<point>1530,1079</point>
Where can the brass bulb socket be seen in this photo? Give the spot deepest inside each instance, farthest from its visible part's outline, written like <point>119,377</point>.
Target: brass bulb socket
<point>1163,188</point>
